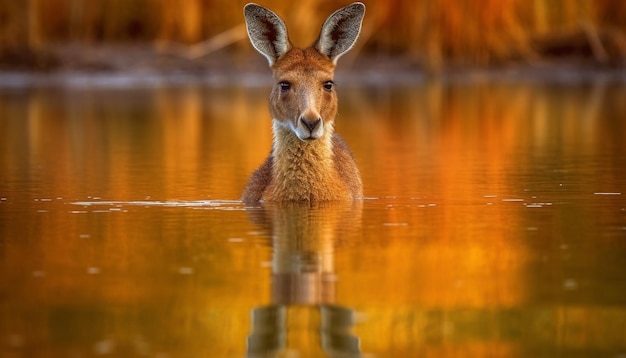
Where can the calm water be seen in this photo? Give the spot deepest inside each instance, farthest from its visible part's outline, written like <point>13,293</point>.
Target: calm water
<point>494,225</point>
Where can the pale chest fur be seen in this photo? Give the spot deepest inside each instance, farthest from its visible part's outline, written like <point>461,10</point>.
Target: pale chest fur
<point>305,171</point>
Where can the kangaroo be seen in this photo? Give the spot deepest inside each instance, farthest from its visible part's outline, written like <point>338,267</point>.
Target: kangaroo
<point>308,162</point>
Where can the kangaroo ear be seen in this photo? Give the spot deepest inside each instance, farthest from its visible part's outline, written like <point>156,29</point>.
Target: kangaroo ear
<point>340,31</point>
<point>267,32</point>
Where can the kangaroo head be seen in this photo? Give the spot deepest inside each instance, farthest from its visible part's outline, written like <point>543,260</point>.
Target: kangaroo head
<point>303,99</point>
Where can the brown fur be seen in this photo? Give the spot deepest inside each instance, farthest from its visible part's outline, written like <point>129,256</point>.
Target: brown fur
<point>308,161</point>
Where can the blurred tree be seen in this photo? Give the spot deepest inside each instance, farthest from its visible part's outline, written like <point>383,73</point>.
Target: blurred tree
<point>435,34</point>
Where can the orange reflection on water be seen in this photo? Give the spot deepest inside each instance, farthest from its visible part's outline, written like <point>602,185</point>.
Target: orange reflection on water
<point>448,257</point>
<point>472,206</point>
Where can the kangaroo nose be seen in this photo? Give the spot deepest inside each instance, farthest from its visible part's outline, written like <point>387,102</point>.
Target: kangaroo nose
<point>311,125</point>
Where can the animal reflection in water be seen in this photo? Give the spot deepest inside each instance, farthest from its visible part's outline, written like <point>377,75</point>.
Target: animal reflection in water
<point>302,307</point>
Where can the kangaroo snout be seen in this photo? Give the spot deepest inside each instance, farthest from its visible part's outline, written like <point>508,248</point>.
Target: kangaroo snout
<point>311,128</point>
<point>311,124</point>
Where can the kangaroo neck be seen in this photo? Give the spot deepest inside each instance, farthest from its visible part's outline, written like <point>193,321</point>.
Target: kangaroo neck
<point>302,169</point>
<point>298,154</point>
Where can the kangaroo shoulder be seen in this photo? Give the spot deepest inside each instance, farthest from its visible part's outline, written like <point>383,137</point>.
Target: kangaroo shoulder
<point>340,148</point>
<point>346,166</point>
<point>259,180</point>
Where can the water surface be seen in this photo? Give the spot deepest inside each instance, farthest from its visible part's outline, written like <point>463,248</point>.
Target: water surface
<point>494,224</point>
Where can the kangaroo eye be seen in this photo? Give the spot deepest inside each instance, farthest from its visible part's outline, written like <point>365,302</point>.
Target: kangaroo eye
<point>328,85</point>
<point>284,86</point>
